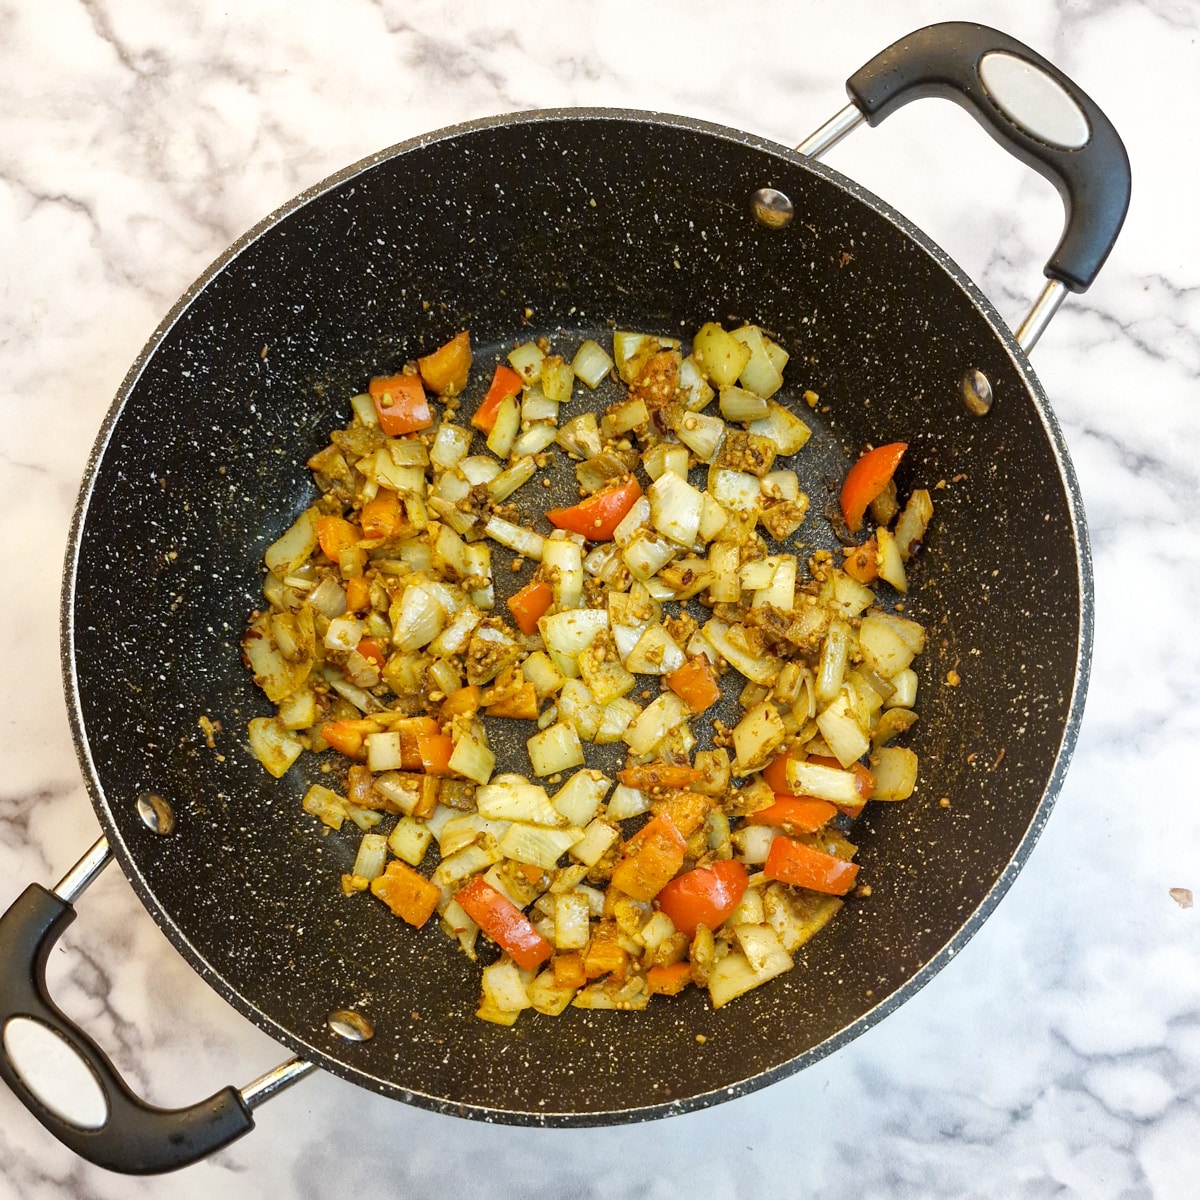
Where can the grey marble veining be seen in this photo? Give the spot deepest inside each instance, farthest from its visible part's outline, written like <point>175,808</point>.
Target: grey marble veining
<point>1059,1055</point>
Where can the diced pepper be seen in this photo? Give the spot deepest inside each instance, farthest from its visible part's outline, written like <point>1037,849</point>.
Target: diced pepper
<point>400,404</point>
<point>411,731</point>
<point>867,478</point>
<point>597,517</point>
<point>382,517</point>
<point>647,776</point>
<point>359,782</point>
<point>372,649</point>
<point>504,923</point>
<point>705,896</point>
<point>695,683</point>
<point>445,371</point>
<point>334,534</point>
<point>604,954</point>
<point>434,751</point>
<point>793,862</point>
<point>530,603</point>
<point>505,382</point>
<point>668,980</point>
<point>799,814</point>
<point>521,703</point>
<point>862,562</point>
<point>463,703</point>
<point>407,893</point>
<point>568,969</point>
<point>348,737</point>
<point>358,599</point>
<point>775,772</point>
<point>651,858</point>
<point>687,810</point>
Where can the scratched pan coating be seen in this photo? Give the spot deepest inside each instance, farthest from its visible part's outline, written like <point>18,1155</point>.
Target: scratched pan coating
<point>565,224</point>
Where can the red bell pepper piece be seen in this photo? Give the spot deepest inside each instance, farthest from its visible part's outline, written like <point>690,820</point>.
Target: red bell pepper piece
<point>529,604</point>
<point>373,649</point>
<point>505,382</point>
<point>867,478</point>
<point>504,923</point>
<point>400,404</point>
<point>775,773</point>
<point>705,896</point>
<point>598,516</point>
<point>793,862</point>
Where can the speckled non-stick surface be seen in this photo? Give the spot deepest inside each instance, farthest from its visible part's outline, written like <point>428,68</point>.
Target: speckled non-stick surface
<point>564,224</point>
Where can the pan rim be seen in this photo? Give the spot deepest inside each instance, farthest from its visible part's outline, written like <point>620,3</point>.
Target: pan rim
<point>128,857</point>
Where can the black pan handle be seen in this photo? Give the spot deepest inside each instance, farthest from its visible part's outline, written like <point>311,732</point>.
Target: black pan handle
<point>1032,109</point>
<point>137,1138</point>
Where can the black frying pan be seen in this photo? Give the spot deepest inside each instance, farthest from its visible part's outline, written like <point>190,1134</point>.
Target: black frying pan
<point>581,219</point>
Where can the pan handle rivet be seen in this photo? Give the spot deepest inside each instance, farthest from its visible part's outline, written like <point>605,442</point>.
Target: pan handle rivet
<point>771,207</point>
<point>977,392</point>
<point>351,1025</point>
<point>156,813</point>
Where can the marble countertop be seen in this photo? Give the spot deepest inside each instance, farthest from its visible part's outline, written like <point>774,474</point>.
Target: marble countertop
<point>1059,1054</point>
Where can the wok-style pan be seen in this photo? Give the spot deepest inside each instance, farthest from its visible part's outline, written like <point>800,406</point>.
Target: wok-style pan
<point>564,223</point>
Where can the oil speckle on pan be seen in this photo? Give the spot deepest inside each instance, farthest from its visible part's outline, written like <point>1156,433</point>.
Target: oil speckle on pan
<point>602,218</point>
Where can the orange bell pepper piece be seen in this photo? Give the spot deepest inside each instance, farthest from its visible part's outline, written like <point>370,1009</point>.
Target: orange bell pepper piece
<point>349,737</point>
<point>434,751</point>
<point>695,683</point>
<point>359,783</point>
<point>400,404</point>
<point>647,776</point>
<point>599,515</point>
<point>504,923</point>
<point>867,478</point>
<point>463,703</point>
<point>668,980</point>
<point>520,704</point>
<point>358,598</point>
<point>382,517</point>
<point>568,969</point>
<point>687,810</point>
<point>334,534</point>
<point>411,731</point>
<point>800,814</point>
<point>530,604</point>
<point>652,857</point>
<point>407,893</point>
<point>604,954</point>
<point>862,562</point>
<point>445,371</point>
<point>505,382</point>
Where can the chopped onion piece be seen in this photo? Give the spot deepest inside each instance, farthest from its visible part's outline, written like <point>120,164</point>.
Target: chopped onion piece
<point>515,537</point>
<point>591,363</point>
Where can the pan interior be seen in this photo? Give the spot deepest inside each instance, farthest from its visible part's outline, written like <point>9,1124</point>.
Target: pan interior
<point>563,225</point>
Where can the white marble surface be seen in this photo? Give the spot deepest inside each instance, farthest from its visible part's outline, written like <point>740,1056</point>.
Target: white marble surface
<point>1060,1054</point>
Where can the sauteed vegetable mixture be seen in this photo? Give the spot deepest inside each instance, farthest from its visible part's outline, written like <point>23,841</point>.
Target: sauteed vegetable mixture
<point>632,613</point>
